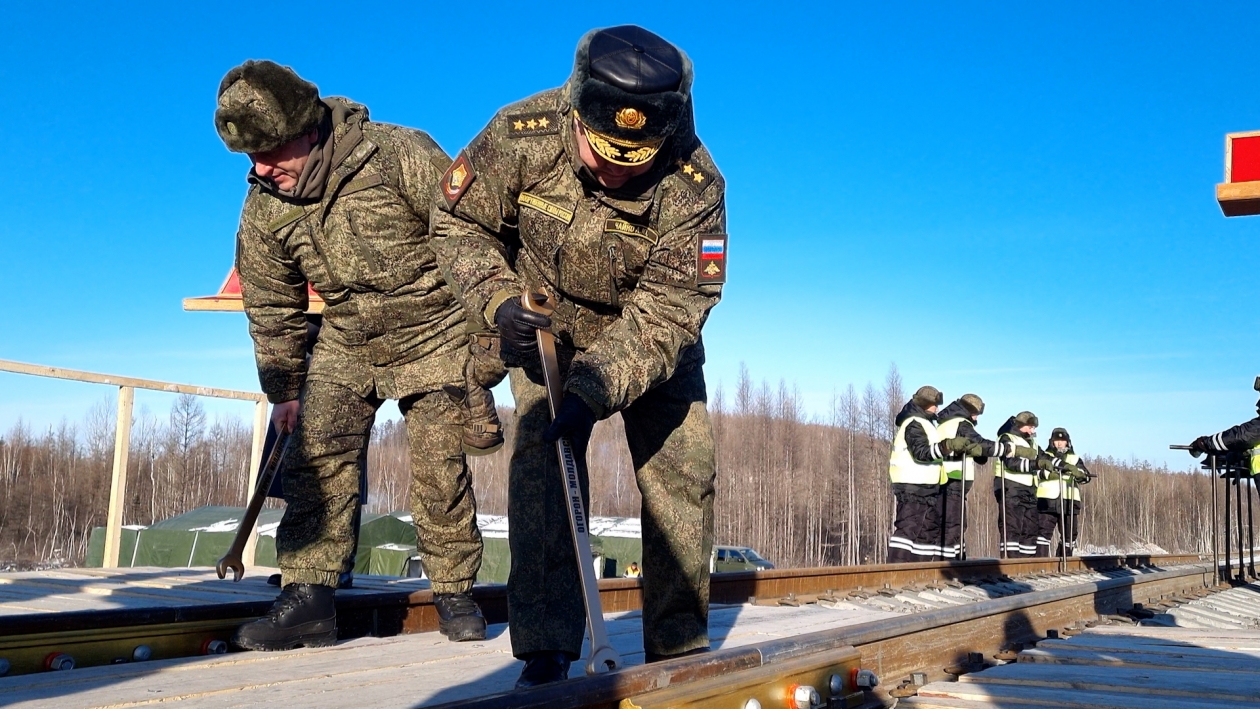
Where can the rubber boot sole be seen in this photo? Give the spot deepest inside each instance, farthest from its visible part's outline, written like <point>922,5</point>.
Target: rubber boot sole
<point>459,635</point>
<point>313,637</point>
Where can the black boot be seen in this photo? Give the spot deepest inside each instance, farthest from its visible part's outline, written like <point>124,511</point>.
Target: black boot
<point>459,618</point>
<point>303,614</point>
<point>543,668</point>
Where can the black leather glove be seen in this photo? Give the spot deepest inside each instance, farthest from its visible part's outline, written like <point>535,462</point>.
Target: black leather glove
<point>1202,444</point>
<point>517,326</point>
<point>574,421</point>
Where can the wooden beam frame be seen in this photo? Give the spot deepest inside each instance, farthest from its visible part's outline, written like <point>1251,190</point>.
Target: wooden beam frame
<point>122,436</point>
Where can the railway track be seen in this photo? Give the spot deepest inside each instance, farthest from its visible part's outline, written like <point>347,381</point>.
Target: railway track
<point>931,616</point>
<point>927,641</point>
<point>34,642</point>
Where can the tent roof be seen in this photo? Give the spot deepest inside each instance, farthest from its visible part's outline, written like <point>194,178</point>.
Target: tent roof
<point>219,518</point>
<point>496,526</point>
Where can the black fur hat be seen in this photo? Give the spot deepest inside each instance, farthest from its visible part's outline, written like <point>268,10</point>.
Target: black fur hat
<point>262,105</point>
<point>631,90</point>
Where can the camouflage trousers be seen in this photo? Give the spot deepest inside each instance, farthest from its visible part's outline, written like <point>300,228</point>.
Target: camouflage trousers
<point>321,481</point>
<point>671,446</point>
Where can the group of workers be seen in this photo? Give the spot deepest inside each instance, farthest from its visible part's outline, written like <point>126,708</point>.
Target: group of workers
<point>934,456</point>
<point>597,193</point>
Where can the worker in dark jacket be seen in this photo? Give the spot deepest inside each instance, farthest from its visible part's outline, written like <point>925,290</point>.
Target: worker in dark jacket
<point>958,470</point>
<point>1059,497</point>
<point>1015,485</point>
<point>1243,437</point>
<point>915,473</point>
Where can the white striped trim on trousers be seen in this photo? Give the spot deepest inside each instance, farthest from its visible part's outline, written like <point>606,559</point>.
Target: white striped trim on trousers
<point>913,548</point>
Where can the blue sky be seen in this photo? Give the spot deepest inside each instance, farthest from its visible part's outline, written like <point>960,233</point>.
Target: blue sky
<point>1014,199</point>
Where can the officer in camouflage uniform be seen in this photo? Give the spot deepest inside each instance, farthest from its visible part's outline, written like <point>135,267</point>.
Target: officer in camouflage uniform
<point>599,193</point>
<point>343,203</point>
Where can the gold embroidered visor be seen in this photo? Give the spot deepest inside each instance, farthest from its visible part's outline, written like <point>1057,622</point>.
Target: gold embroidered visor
<point>617,150</point>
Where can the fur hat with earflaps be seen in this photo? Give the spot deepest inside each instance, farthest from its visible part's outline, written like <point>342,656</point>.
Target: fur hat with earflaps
<point>631,91</point>
<point>262,105</point>
<point>928,396</point>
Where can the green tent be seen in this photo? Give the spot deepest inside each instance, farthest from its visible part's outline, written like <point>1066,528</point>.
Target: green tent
<point>387,543</point>
<point>201,536</point>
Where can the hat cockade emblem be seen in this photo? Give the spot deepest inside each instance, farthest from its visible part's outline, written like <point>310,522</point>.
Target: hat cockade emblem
<point>631,118</point>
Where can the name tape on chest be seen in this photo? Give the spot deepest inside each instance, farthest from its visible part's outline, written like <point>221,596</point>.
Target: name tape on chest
<point>621,226</point>
<point>525,125</point>
<point>286,219</point>
<point>363,183</point>
<point>551,209</point>
<point>455,182</point>
<point>711,260</point>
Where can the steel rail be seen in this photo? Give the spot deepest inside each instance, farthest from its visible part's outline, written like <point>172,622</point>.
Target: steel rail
<point>892,647</point>
<point>96,637</point>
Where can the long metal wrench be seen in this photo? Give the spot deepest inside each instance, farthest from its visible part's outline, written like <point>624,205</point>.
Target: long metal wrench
<point>1216,560</point>
<point>1062,485</point>
<point>232,559</point>
<point>603,657</point>
<point>1002,469</point>
<point>962,514</point>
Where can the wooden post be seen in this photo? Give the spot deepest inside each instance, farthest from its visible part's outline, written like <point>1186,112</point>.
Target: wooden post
<point>118,486</point>
<point>255,462</point>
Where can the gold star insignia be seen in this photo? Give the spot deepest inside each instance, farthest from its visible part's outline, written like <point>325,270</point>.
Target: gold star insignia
<point>698,177</point>
<point>518,125</point>
<point>688,169</point>
<point>532,124</point>
<point>542,122</point>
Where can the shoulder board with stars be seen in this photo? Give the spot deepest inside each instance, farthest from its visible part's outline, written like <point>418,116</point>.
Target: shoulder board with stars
<point>695,175</point>
<point>525,125</point>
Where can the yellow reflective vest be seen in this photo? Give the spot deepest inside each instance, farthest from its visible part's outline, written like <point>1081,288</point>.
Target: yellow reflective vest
<point>1057,483</point>
<point>1255,459</point>
<point>954,469</point>
<point>902,467</point>
<point>1016,475</point>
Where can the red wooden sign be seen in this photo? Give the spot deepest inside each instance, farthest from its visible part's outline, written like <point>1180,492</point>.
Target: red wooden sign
<point>1239,194</point>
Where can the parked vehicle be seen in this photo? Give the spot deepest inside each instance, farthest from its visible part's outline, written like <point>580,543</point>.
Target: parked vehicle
<point>729,558</point>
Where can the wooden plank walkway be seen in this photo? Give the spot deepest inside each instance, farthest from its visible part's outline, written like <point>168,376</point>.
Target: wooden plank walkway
<point>1213,664</point>
<point>421,669</point>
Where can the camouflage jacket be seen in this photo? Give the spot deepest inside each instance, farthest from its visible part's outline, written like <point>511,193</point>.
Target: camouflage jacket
<point>634,271</point>
<point>390,321</point>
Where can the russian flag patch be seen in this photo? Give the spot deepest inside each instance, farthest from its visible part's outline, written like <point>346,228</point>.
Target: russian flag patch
<point>711,260</point>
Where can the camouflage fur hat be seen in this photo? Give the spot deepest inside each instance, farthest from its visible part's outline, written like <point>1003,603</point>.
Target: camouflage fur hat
<point>928,396</point>
<point>631,90</point>
<point>1026,418</point>
<point>262,105</point>
<point>973,403</point>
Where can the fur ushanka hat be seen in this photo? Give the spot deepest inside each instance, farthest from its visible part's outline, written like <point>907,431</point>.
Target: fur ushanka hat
<point>631,89</point>
<point>262,105</point>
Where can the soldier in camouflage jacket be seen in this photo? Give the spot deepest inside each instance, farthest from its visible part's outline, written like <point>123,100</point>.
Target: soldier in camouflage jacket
<point>600,194</point>
<point>343,203</point>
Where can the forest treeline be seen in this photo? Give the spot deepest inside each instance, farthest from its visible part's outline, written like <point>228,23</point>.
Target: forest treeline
<point>802,491</point>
